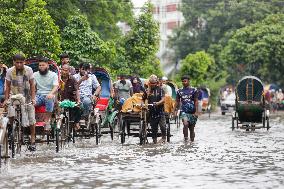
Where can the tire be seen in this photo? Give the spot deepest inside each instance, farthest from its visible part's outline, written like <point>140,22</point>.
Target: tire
<point>263,121</point>
<point>223,113</point>
<point>97,133</point>
<point>143,133</point>
<point>57,139</point>
<point>73,133</point>
<point>122,131</point>
<point>169,132</point>
<point>111,132</point>
<point>267,123</point>
<point>233,124</point>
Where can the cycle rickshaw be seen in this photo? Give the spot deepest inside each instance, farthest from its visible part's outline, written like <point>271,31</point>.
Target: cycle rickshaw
<point>250,105</point>
<point>204,98</point>
<point>103,118</point>
<point>61,131</point>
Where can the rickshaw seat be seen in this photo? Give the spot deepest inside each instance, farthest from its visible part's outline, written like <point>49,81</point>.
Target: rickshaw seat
<point>102,104</point>
<point>40,124</point>
<point>40,109</point>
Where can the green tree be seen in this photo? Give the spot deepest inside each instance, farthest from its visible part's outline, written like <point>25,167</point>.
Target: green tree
<point>197,67</point>
<point>102,15</point>
<point>258,50</point>
<point>28,29</point>
<point>210,24</point>
<point>83,44</point>
<point>141,44</point>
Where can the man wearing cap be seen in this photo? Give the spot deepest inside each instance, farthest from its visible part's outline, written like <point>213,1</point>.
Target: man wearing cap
<point>187,98</point>
<point>165,87</point>
<point>156,96</point>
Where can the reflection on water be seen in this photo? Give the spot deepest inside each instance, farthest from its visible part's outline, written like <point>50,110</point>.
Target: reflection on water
<point>219,158</point>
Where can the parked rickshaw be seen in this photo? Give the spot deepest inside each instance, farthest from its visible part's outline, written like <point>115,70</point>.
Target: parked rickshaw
<point>204,98</point>
<point>250,105</point>
<point>176,118</point>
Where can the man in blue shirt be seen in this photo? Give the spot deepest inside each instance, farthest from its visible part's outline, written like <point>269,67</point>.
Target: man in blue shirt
<point>89,87</point>
<point>187,101</point>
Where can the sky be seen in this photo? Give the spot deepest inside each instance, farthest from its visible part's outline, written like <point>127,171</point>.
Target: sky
<point>138,3</point>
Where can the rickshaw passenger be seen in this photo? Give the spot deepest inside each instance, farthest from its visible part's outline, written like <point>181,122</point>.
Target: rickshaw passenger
<point>156,96</point>
<point>87,84</point>
<point>187,97</point>
<point>3,71</point>
<point>123,88</point>
<point>64,59</point>
<point>137,86</point>
<point>20,80</point>
<point>47,86</point>
<point>165,87</point>
<point>69,90</point>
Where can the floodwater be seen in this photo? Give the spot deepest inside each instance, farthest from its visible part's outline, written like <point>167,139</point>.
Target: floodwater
<point>219,158</point>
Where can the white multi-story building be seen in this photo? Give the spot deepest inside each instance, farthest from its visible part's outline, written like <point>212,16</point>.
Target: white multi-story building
<point>169,17</point>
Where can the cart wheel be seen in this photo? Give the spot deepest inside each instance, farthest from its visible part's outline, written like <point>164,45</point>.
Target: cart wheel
<point>57,139</point>
<point>169,132</point>
<point>97,133</point>
<point>111,131</point>
<point>143,133</point>
<point>263,121</point>
<point>233,123</point>
<point>73,133</point>
<point>122,132</point>
<point>267,123</point>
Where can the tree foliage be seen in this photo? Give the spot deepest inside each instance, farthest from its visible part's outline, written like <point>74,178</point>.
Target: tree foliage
<point>197,67</point>
<point>83,44</point>
<point>102,15</point>
<point>141,44</point>
<point>258,49</point>
<point>30,30</point>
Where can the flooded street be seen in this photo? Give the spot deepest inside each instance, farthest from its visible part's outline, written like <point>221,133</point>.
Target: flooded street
<point>219,158</point>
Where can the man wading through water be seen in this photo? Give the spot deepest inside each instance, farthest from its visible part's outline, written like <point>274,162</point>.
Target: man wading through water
<point>156,96</point>
<point>187,97</point>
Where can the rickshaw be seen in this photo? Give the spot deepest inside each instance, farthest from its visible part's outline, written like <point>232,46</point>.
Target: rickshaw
<point>103,115</point>
<point>59,133</point>
<point>134,118</point>
<point>204,98</point>
<point>250,111</point>
<point>176,118</point>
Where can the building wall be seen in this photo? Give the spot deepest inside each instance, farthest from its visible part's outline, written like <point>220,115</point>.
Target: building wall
<point>167,14</point>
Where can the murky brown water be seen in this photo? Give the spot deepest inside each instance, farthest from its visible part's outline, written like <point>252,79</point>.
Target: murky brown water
<point>219,158</point>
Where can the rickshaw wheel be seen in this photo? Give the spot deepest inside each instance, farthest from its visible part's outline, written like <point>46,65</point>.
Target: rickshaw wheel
<point>233,123</point>
<point>122,131</point>
<point>57,139</point>
<point>169,132</point>
<point>267,123</point>
<point>97,133</point>
<point>263,121</point>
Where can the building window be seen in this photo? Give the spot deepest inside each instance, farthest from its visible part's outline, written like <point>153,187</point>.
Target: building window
<point>156,10</point>
<point>171,8</point>
<point>172,25</point>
